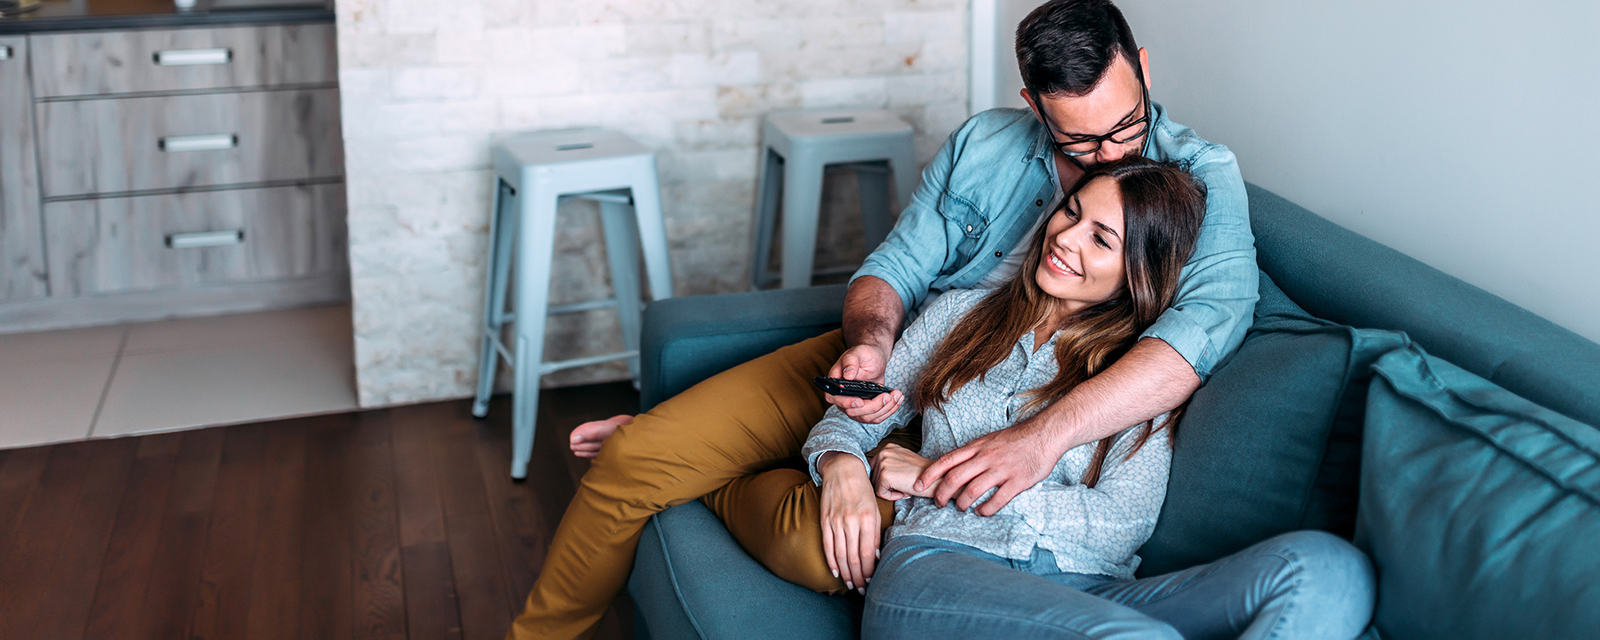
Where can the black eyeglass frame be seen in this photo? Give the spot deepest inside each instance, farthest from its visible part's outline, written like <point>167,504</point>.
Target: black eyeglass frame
<point>1144,96</point>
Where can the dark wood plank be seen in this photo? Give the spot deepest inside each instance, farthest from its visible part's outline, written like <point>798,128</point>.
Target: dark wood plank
<point>19,480</point>
<point>174,583</point>
<point>326,573</point>
<point>125,569</point>
<point>275,581</point>
<point>33,543</point>
<point>430,592</point>
<point>483,597</point>
<point>524,514</point>
<point>378,597</point>
<point>224,598</point>
<point>66,596</point>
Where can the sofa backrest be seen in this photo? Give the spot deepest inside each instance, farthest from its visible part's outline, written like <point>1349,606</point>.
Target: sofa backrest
<point>1339,275</point>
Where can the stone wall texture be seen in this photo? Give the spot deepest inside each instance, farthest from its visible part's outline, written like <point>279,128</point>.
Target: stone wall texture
<point>427,86</point>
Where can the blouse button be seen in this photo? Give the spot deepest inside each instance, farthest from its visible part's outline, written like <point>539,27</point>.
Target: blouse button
<point>1038,203</point>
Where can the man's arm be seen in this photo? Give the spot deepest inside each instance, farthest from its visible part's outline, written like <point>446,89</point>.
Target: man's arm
<point>1150,380</point>
<point>873,314</point>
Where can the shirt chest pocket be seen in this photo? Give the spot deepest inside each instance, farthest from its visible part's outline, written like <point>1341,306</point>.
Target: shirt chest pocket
<point>965,226</point>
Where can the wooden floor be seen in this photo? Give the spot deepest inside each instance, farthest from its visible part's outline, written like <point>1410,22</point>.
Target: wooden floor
<point>394,523</point>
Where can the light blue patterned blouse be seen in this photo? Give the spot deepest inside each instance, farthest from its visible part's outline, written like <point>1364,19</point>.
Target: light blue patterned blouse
<point>1094,531</point>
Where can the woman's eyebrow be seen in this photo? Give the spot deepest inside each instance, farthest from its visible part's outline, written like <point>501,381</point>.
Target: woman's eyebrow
<point>1108,229</point>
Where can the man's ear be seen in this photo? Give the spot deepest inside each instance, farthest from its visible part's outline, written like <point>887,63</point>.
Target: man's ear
<point>1144,65</point>
<point>1028,96</point>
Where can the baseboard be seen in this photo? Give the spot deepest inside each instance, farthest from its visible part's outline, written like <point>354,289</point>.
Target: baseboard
<point>87,311</point>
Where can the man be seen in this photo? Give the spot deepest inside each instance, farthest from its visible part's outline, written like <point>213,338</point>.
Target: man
<point>996,177</point>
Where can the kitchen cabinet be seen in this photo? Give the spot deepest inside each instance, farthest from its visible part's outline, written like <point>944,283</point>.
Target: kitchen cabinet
<point>161,173</point>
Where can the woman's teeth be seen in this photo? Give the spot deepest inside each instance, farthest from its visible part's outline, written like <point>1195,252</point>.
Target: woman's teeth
<point>1062,265</point>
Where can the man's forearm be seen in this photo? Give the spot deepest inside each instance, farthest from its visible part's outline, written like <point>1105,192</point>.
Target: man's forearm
<point>1151,379</point>
<point>873,313</point>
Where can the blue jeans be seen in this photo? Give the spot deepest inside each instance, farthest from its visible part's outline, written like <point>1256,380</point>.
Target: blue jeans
<point>1302,585</point>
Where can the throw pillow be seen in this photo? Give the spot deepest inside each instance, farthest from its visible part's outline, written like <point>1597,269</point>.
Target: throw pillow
<point>1271,443</point>
<point>1480,509</point>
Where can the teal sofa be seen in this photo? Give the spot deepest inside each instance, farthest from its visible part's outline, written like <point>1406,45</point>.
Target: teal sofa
<point>1443,429</point>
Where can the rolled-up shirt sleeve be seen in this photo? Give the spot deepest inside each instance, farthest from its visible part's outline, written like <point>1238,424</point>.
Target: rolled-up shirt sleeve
<point>1217,294</point>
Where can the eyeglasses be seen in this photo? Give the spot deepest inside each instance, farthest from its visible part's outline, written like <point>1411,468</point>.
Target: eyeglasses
<point>1081,146</point>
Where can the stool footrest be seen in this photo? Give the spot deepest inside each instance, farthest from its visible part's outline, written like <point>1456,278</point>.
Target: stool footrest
<point>551,367</point>
<point>582,306</point>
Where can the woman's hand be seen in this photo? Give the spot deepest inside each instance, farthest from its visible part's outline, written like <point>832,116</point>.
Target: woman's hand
<point>850,520</point>
<point>895,471</point>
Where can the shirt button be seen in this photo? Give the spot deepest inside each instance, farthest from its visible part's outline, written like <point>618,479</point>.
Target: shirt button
<point>969,227</point>
<point>1038,203</point>
<point>997,254</point>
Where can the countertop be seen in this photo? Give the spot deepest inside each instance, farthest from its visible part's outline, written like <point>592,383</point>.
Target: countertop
<point>81,15</point>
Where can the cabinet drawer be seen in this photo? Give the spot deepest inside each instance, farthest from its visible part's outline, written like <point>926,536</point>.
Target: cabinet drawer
<point>102,62</point>
<point>172,241</point>
<point>132,144</point>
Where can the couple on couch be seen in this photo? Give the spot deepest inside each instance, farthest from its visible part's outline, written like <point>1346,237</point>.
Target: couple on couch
<point>1071,274</point>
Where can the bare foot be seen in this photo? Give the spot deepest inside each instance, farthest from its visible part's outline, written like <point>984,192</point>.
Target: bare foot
<point>587,437</point>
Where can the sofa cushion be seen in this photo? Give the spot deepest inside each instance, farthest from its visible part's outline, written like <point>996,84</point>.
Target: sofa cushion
<point>1272,442</point>
<point>691,580</point>
<point>1480,509</point>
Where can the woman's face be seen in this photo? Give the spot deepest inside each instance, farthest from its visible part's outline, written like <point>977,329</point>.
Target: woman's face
<point>1082,263</point>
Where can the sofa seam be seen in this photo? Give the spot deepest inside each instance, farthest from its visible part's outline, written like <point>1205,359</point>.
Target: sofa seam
<point>672,573</point>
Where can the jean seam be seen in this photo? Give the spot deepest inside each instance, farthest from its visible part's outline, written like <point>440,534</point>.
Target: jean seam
<point>880,603</point>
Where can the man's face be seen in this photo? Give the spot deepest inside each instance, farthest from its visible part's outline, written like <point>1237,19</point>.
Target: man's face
<point>1117,101</point>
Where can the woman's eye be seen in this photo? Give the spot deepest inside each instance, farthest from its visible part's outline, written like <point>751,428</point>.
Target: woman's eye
<point>1101,241</point>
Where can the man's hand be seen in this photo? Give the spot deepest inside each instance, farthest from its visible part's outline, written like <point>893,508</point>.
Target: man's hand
<point>587,437</point>
<point>895,470</point>
<point>865,362</point>
<point>1012,459</point>
<point>850,520</point>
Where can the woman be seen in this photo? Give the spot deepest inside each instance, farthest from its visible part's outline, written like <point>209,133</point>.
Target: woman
<point>1058,560</point>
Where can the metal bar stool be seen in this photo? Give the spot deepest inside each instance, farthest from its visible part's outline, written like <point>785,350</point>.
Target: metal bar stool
<point>797,147</point>
<point>534,174</point>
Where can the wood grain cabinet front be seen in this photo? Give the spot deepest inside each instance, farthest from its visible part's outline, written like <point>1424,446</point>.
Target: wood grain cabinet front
<point>21,243</point>
<point>114,62</point>
<point>174,142</point>
<point>115,245</point>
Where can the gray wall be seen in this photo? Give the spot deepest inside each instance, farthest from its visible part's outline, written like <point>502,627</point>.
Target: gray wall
<point>1463,133</point>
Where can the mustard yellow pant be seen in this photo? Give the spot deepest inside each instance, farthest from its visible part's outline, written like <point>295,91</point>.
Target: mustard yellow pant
<point>734,440</point>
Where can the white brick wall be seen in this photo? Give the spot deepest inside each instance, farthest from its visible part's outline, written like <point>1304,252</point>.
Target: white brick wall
<point>427,86</point>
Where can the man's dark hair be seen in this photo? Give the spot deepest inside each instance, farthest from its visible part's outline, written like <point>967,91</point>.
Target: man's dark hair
<point>1065,46</point>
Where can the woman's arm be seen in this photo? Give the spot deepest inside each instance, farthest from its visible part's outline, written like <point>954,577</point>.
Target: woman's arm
<point>1116,517</point>
<point>850,519</point>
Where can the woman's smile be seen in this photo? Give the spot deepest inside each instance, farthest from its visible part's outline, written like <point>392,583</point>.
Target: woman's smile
<point>1060,266</point>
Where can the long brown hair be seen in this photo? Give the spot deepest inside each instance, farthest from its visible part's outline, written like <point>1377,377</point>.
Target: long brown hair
<point>1162,207</point>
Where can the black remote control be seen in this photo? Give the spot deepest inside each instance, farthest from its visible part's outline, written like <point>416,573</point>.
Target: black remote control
<point>852,388</point>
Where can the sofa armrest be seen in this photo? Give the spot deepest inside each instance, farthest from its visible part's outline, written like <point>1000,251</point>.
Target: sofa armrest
<point>686,340</point>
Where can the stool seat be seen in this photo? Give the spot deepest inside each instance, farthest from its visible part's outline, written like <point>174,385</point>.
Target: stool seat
<point>797,148</point>
<point>534,174</point>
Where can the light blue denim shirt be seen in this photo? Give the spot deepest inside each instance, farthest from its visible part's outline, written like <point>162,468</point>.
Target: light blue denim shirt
<point>995,176</point>
<point>1089,530</point>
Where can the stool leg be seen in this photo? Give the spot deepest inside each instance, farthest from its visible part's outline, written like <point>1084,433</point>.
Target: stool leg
<point>906,176</point>
<point>874,204</point>
<point>652,231</point>
<point>802,200</point>
<point>622,252</point>
<point>534,253</point>
<point>502,231</point>
<point>766,217</point>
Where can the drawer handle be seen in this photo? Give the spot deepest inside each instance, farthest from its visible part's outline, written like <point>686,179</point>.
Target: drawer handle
<point>208,142</point>
<point>187,57</point>
<point>5,52</point>
<point>201,239</point>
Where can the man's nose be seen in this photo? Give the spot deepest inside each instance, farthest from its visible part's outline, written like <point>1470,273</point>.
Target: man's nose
<point>1111,153</point>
